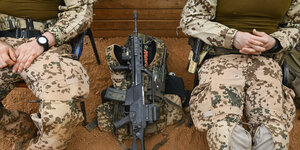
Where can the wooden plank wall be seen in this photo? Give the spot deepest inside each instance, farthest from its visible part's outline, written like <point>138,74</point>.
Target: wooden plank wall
<point>114,18</point>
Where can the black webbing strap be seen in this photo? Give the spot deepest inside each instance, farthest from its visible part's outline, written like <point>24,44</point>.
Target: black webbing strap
<point>20,33</point>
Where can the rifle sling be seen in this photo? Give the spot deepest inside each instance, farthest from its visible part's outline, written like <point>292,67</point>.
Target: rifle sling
<point>175,105</point>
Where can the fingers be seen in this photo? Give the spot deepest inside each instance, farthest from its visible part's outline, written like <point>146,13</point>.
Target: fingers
<point>7,60</point>
<point>258,48</point>
<point>263,39</point>
<point>16,66</point>
<point>21,63</point>
<point>249,51</point>
<point>254,42</point>
<point>17,52</point>
<point>12,54</point>
<point>260,36</point>
<point>26,54</point>
<point>258,33</point>
<point>7,57</point>
<point>29,61</point>
<point>2,63</point>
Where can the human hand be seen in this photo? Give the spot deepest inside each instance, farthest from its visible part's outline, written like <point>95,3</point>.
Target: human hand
<point>247,43</point>
<point>26,53</point>
<point>267,40</point>
<point>7,55</point>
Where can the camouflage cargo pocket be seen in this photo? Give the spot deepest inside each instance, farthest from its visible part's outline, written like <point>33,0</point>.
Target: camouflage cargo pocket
<point>198,107</point>
<point>76,78</point>
<point>170,113</point>
<point>289,110</point>
<point>174,109</point>
<point>204,114</point>
<point>105,119</point>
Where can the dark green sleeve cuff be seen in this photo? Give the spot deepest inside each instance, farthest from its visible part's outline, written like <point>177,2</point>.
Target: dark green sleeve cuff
<point>277,47</point>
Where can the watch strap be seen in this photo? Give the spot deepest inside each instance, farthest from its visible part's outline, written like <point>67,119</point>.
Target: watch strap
<point>45,45</point>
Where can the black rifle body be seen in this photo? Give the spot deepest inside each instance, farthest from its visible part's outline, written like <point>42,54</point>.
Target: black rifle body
<point>140,113</point>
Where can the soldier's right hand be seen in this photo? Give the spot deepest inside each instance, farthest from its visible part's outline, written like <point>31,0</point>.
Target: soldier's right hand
<point>7,55</point>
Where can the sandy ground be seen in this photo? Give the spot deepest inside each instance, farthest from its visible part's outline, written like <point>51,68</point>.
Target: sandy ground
<point>179,137</point>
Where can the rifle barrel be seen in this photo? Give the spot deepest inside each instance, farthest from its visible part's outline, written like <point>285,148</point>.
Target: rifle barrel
<point>135,21</point>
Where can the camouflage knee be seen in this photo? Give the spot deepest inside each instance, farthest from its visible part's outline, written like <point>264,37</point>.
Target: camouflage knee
<point>56,123</point>
<point>280,135</point>
<point>228,134</point>
<point>16,125</point>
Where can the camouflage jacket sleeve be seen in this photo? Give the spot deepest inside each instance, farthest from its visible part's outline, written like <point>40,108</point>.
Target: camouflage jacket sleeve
<point>289,33</point>
<point>75,17</point>
<point>196,21</point>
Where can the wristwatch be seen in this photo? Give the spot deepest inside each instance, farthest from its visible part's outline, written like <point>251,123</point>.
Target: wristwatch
<point>43,41</point>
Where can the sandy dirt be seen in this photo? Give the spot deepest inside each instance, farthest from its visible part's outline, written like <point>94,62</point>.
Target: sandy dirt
<point>179,137</point>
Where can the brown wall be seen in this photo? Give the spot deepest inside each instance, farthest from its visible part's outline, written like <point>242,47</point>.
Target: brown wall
<point>155,17</point>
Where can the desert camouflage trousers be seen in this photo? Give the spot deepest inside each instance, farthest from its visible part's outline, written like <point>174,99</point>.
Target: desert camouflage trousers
<point>233,85</point>
<point>59,82</point>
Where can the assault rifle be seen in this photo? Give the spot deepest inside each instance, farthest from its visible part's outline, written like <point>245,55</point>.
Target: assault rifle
<point>140,113</point>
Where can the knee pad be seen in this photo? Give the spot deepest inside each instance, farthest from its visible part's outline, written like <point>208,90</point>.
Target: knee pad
<point>271,135</point>
<point>228,136</point>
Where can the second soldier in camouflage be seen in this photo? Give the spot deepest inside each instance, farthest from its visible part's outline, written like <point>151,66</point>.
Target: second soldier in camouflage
<point>241,76</point>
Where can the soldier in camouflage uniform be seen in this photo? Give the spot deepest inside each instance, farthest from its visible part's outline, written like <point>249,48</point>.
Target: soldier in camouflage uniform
<point>49,72</point>
<point>241,76</point>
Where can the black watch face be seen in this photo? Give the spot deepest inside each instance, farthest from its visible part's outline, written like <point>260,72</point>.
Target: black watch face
<point>42,40</point>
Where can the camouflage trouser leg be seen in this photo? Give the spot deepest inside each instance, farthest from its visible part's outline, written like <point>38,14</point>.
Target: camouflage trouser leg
<point>13,124</point>
<point>16,125</point>
<point>56,124</point>
<point>217,103</point>
<point>59,82</point>
<point>225,134</point>
<point>269,105</point>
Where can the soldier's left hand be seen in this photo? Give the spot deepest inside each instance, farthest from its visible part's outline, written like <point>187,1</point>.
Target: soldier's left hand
<point>26,53</point>
<point>269,41</point>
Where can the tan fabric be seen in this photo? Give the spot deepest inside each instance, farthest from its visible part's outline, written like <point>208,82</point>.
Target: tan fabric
<point>249,83</point>
<point>60,82</point>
